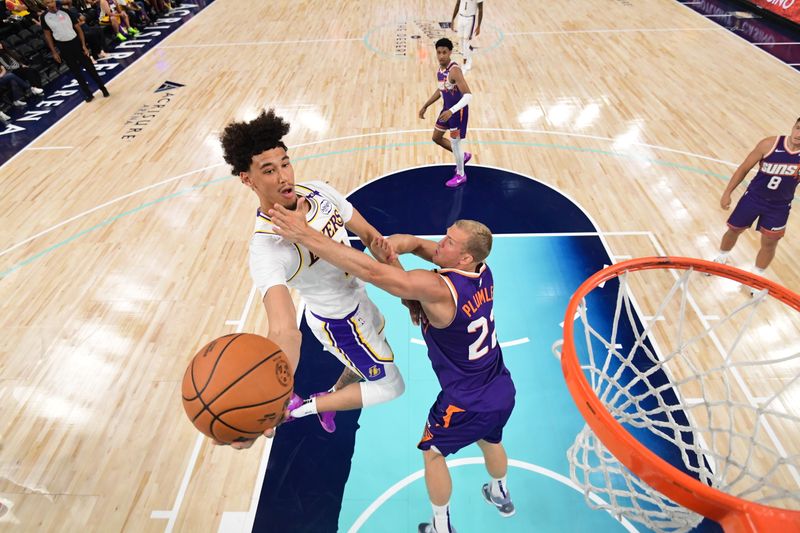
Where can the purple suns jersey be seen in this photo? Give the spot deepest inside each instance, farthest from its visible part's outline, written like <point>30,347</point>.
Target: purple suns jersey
<point>465,355</point>
<point>777,176</point>
<point>451,94</point>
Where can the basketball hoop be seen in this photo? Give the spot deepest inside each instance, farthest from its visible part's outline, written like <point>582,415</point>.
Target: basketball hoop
<point>675,430</point>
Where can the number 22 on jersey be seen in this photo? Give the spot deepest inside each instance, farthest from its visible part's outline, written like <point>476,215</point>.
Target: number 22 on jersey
<point>478,349</point>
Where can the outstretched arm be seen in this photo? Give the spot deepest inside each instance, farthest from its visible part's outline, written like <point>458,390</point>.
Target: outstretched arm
<point>403,243</point>
<point>419,285</point>
<point>365,231</point>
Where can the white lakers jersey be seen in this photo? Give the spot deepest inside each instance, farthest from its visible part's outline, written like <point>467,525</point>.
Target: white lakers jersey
<point>327,291</point>
<point>468,8</point>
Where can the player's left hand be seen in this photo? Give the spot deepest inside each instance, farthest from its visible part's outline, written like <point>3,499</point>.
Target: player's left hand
<point>288,224</point>
<point>477,31</point>
<point>445,116</point>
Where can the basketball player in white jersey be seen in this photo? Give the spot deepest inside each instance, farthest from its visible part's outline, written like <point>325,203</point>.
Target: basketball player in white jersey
<point>470,15</point>
<point>338,310</point>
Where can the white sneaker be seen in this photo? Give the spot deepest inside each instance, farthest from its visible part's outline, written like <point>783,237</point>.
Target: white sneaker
<point>4,117</point>
<point>721,259</point>
<point>20,103</point>
<point>36,90</point>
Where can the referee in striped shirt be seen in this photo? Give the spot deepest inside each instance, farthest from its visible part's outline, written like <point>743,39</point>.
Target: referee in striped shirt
<point>66,41</point>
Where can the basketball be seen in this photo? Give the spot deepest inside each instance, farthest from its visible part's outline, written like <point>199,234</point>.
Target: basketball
<point>236,387</point>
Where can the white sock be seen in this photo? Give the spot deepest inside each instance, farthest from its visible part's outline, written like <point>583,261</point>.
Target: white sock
<point>498,487</point>
<point>723,254</point>
<point>441,518</point>
<point>309,407</point>
<point>459,155</point>
<point>466,50</point>
<point>759,271</point>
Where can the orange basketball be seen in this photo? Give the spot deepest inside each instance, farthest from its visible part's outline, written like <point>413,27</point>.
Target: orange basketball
<point>237,386</point>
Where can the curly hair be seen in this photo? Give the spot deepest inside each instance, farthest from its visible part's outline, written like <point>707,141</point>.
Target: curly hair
<point>444,41</point>
<point>242,140</point>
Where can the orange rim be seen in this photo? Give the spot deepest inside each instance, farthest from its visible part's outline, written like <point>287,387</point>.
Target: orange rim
<point>734,514</point>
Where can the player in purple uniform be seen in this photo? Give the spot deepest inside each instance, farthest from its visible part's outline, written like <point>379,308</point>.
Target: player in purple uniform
<point>767,199</point>
<point>457,320</point>
<point>453,89</point>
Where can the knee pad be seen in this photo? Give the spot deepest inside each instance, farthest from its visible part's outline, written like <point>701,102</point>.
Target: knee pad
<point>388,388</point>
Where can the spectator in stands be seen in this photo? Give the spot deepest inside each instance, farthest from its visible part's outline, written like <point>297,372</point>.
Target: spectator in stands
<point>17,8</point>
<point>159,7</point>
<point>110,13</point>
<point>65,38</point>
<point>136,13</point>
<point>94,38</point>
<point>15,63</point>
<point>17,85</point>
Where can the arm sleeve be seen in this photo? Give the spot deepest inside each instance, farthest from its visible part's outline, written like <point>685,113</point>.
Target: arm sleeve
<point>342,204</point>
<point>273,261</point>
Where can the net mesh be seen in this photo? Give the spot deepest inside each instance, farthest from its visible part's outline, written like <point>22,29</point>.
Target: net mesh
<point>717,396</point>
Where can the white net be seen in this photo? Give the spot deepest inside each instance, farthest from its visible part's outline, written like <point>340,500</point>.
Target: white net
<point>704,375</point>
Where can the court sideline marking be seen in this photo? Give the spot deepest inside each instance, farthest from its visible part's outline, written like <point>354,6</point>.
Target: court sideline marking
<point>384,133</point>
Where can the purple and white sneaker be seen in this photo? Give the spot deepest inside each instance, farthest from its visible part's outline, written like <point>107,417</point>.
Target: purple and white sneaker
<point>294,402</point>
<point>457,180</point>
<point>326,420</point>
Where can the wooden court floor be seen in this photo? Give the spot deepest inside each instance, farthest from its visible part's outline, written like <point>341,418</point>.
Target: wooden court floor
<point>122,257</point>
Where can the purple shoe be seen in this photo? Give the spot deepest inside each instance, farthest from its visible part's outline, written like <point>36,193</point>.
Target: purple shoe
<point>457,180</point>
<point>294,402</point>
<point>326,420</point>
<point>467,157</point>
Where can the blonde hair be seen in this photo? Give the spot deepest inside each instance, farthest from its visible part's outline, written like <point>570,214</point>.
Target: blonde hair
<point>479,243</point>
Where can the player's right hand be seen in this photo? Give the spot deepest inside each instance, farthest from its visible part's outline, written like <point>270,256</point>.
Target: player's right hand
<point>236,445</point>
<point>57,57</point>
<point>725,201</point>
<point>245,444</point>
<point>422,112</point>
<point>453,24</point>
<point>383,250</point>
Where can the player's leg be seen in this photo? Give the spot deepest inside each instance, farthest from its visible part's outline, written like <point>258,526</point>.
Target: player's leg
<point>466,28</point>
<point>769,243</point>
<point>440,488</point>
<point>772,225</point>
<point>357,340</point>
<point>446,431</point>
<point>458,151</point>
<point>496,491</point>
<point>348,377</point>
<point>439,138</point>
<point>457,125</point>
<point>744,214</point>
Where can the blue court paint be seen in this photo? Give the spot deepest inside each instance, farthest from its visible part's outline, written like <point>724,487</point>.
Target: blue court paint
<point>376,448</point>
